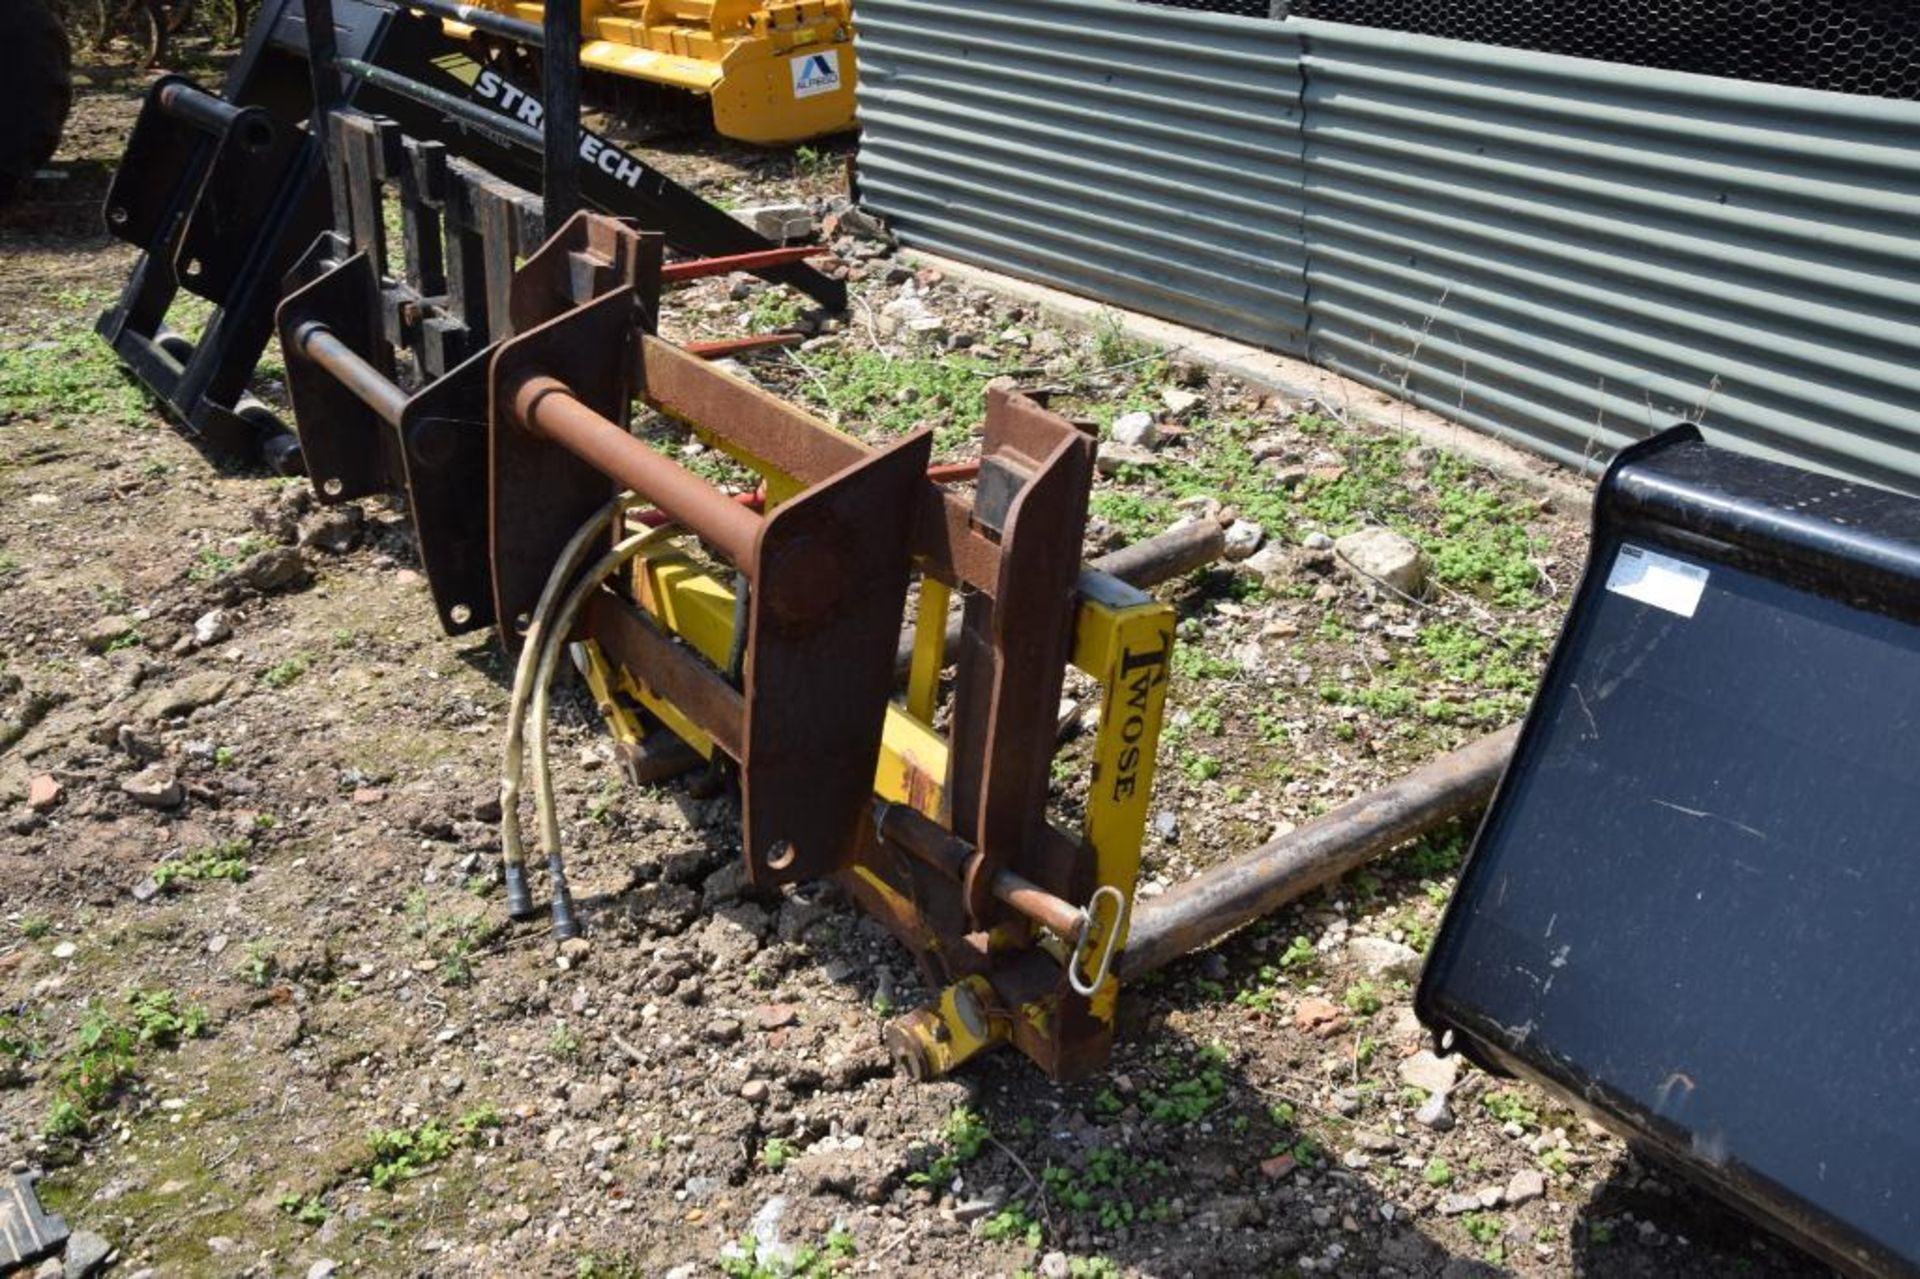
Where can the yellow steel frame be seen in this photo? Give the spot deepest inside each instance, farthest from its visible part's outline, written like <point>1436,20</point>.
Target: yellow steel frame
<point>775,70</point>
<point>1123,638</point>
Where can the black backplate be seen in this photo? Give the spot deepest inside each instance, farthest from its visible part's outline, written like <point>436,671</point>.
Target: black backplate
<point>1693,904</point>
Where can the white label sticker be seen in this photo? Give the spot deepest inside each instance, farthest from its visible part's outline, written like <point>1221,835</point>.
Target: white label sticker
<point>1656,579</point>
<point>816,73</point>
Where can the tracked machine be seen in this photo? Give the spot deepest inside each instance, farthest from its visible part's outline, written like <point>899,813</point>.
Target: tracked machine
<point>759,71</point>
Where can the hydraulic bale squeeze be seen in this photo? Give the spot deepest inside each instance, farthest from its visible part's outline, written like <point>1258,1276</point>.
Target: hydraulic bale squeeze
<point>767,642</point>
<point>760,631</point>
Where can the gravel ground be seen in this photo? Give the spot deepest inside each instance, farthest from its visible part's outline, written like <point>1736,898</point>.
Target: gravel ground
<point>261,1011</point>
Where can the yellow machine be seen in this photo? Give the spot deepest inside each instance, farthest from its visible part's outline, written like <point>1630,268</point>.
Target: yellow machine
<point>775,71</point>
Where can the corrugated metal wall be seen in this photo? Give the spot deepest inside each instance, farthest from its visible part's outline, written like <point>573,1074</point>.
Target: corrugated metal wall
<point>1149,157</point>
<point>1577,252</point>
<point>1561,252</point>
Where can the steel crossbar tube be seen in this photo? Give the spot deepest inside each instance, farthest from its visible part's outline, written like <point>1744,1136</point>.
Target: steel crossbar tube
<point>368,384</point>
<point>1216,902</point>
<point>472,15</point>
<point>210,114</point>
<point>953,857</point>
<point>549,409</point>
<point>523,135</point>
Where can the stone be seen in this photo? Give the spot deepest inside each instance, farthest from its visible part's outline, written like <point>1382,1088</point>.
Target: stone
<point>1434,1075</point>
<point>43,792</point>
<point>1242,540</point>
<point>154,787</point>
<point>1272,563</point>
<point>136,744</point>
<point>1111,457</point>
<point>1383,959</point>
<point>930,329</point>
<point>325,1268</point>
<point>1382,556</point>
<point>727,944</point>
<point>575,949</point>
<point>584,1099</point>
<point>1180,403</point>
<point>1317,541</point>
<point>1455,1205</point>
<point>188,695</point>
<point>1527,1185</point>
<point>774,1016</point>
<point>1278,1168</point>
<point>755,1091</point>
<point>279,569</point>
<point>1313,1013</point>
<point>1136,429</point>
<point>1269,447</point>
<point>335,530</point>
<point>1375,1142</point>
<point>1435,1114</point>
<point>106,632</point>
<point>1166,824</point>
<point>86,1253</point>
<point>1055,1266</point>
<point>981,1205</point>
<point>792,221</point>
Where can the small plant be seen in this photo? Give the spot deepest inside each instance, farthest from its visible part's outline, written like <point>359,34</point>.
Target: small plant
<point>564,1041</point>
<point>1192,1090</point>
<point>1011,1224</point>
<point>1481,1227</point>
<point>226,860</point>
<point>161,1020</point>
<point>1300,956</point>
<point>1362,999</point>
<point>1510,1108</point>
<point>259,964</point>
<point>742,1259</point>
<point>102,1061</point>
<point>284,674</point>
<point>212,562</point>
<point>963,1135</point>
<point>1437,1173</point>
<point>775,1154</point>
<point>308,1210</point>
<point>34,927</point>
<point>401,1154</point>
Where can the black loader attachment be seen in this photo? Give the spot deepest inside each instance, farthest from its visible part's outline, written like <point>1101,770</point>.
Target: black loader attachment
<point>226,194</point>
<point>1690,910</point>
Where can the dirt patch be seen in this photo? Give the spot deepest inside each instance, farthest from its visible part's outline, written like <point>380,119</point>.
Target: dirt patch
<point>270,835</point>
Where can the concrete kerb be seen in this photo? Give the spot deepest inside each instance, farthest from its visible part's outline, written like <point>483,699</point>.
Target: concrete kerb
<point>1284,376</point>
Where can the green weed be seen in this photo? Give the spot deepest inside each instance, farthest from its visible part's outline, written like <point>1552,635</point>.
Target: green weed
<point>283,674</point>
<point>1510,1108</point>
<point>862,388</point>
<point>308,1210</point>
<point>964,1134</point>
<point>226,860</point>
<point>400,1154</point>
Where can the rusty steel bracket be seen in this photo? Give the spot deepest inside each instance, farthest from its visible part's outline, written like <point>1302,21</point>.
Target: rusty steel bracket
<point>775,650</point>
<point>827,570</point>
<point>356,315</point>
